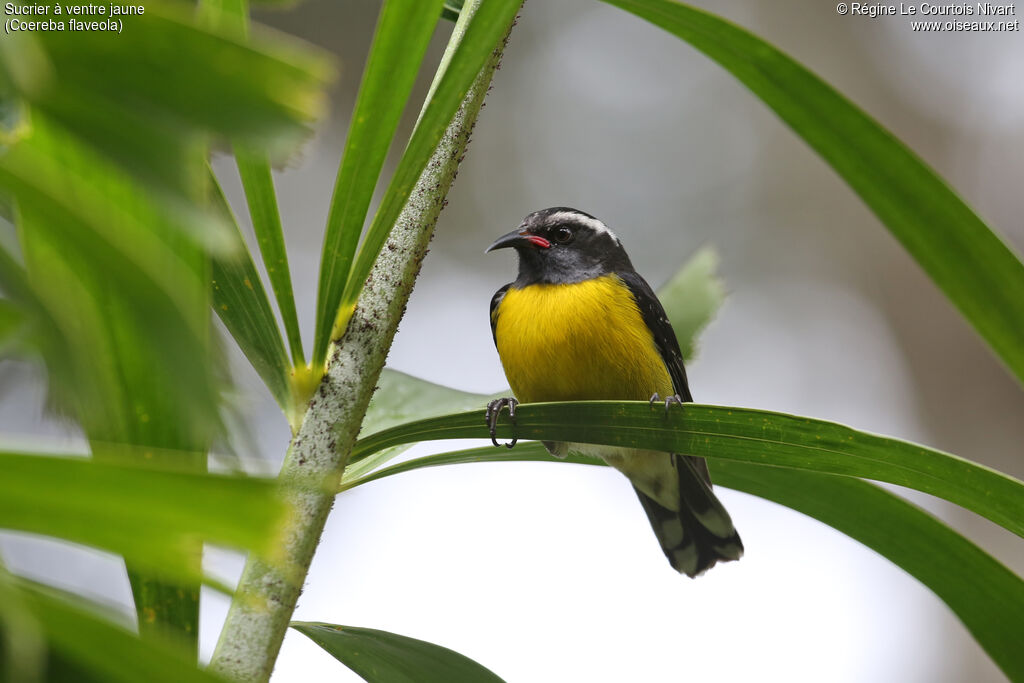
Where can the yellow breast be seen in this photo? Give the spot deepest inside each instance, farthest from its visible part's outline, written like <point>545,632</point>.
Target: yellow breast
<point>581,341</point>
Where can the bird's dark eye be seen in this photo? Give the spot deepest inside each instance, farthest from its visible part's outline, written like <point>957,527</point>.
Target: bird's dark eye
<point>563,235</point>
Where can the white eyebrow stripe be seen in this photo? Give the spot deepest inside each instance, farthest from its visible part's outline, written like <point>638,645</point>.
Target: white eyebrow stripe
<point>592,223</point>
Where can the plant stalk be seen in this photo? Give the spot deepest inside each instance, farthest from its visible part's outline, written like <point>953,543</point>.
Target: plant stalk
<point>266,594</point>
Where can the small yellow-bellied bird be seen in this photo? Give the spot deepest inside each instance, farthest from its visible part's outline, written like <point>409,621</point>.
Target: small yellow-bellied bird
<point>579,324</point>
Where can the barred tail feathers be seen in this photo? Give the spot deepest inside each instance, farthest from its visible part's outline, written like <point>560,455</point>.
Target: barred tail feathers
<point>700,533</point>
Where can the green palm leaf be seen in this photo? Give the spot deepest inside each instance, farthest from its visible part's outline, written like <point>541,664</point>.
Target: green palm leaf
<point>969,263</point>
<point>743,435</point>
<point>383,657</point>
<point>986,596</point>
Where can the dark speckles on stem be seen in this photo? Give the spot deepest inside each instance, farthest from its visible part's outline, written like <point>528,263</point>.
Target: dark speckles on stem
<point>360,358</point>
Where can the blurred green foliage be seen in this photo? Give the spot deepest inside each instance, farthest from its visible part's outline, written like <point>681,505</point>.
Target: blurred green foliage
<point>104,174</point>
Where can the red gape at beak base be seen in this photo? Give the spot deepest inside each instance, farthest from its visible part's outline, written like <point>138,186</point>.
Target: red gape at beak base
<point>537,240</point>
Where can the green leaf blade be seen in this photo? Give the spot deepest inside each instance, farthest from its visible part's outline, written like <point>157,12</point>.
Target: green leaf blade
<point>383,657</point>
<point>485,29</point>
<point>258,183</point>
<point>399,45</point>
<point>452,9</point>
<point>156,519</point>
<point>260,344</point>
<point>986,596</point>
<point>122,275</point>
<point>744,435</point>
<point>106,176</point>
<point>974,268</point>
<point>173,83</point>
<point>401,398</point>
<point>692,298</point>
<point>84,647</point>
<point>212,80</point>
<point>241,303</point>
<point>14,328</point>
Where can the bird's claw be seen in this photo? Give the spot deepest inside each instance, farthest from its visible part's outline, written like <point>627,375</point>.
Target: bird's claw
<point>673,399</point>
<point>494,409</point>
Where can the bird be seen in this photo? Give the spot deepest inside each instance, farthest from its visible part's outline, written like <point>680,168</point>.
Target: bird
<point>579,323</point>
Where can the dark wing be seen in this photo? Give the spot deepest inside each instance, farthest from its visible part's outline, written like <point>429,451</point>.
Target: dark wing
<point>657,322</point>
<point>668,346</point>
<point>495,302</point>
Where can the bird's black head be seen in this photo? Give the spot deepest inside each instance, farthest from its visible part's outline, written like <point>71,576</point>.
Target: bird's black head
<point>562,245</point>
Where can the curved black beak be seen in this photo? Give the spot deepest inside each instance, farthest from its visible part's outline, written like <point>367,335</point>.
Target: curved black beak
<point>518,238</point>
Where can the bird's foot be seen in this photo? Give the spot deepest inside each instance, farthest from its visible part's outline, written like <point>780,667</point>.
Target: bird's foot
<point>673,399</point>
<point>494,409</point>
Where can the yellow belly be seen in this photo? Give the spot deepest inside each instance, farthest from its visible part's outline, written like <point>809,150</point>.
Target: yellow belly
<point>582,341</point>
